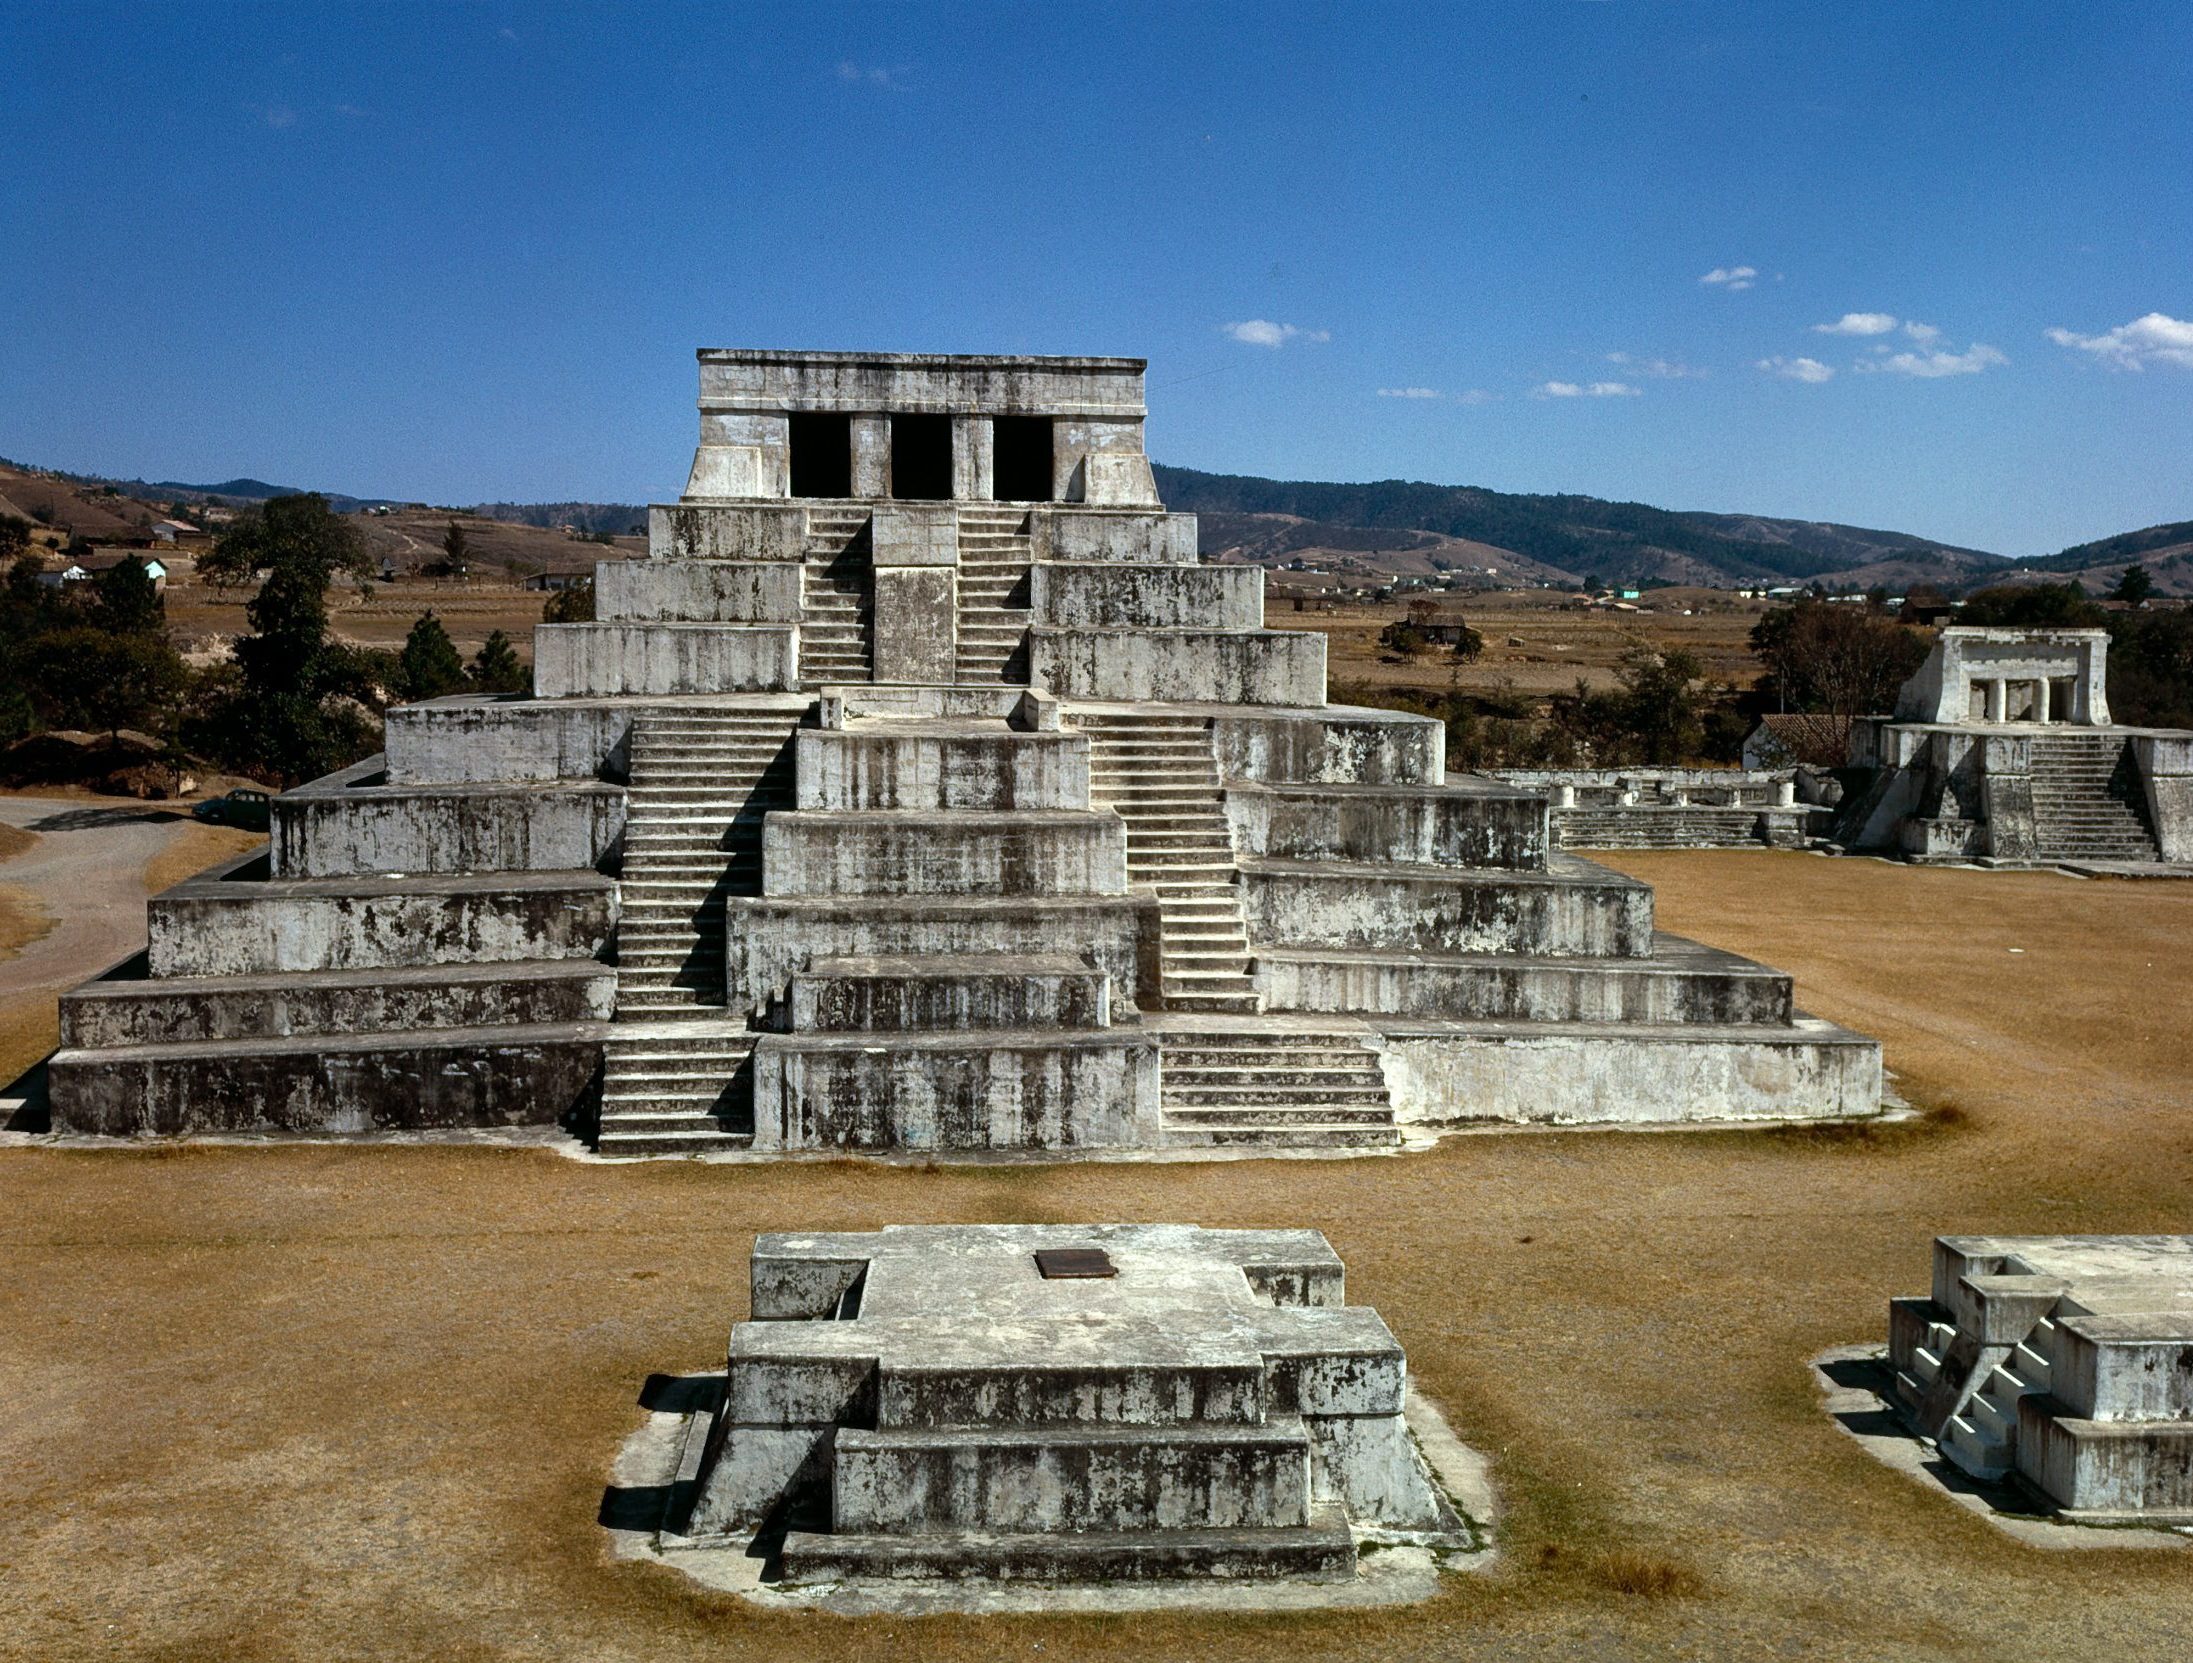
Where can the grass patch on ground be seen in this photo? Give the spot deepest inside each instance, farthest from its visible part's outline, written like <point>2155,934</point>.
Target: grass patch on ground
<point>22,919</point>
<point>14,840</point>
<point>194,848</point>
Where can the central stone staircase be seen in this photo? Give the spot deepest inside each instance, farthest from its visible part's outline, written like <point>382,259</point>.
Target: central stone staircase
<point>2087,800</point>
<point>1158,773</point>
<point>1279,1086</point>
<point>700,782</point>
<point>995,552</point>
<point>837,634</point>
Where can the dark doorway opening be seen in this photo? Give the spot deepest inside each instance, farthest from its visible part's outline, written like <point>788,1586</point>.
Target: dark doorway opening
<point>822,456</point>
<point>921,458</point>
<point>1020,457</point>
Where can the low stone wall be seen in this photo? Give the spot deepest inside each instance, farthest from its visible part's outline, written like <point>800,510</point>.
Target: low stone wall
<point>1020,853</point>
<point>215,926</point>
<point>698,591</point>
<point>1487,826</point>
<point>1682,983</point>
<point>1004,1092</point>
<point>1813,1070</point>
<point>1273,667</point>
<point>1338,745</point>
<point>1327,904</point>
<point>527,1076</point>
<point>767,941</point>
<point>911,766</point>
<point>340,826</point>
<point>1099,596</point>
<point>578,660</point>
<point>126,1010</point>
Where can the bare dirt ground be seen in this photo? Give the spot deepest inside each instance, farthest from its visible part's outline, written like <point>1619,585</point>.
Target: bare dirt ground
<point>360,1402</point>
<point>1532,645</point>
<point>199,614</point>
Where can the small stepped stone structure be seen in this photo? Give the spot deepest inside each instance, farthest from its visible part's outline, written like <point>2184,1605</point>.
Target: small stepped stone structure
<point>921,789</point>
<point>1671,808</point>
<point>1106,1403</point>
<point>2063,1363</point>
<point>2001,748</point>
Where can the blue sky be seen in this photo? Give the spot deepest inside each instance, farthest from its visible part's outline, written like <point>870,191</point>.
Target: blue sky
<point>466,252</point>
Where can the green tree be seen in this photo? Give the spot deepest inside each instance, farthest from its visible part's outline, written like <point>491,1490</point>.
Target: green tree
<point>300,535</point>
<point>1836,660</point>
<point>495,667</point>
<point>574,605</point>
<point>87,677</point>
<point>14,536</point>
<point>453,550</point>
<point>2033,606</point>
<point>428,666</point>
<point>126,601</point>
<point>2134,587</point>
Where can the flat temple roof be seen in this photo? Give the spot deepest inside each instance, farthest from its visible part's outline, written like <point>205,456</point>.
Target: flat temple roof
<point>914,360</point>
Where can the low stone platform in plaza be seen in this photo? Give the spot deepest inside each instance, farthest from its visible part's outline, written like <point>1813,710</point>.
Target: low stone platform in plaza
<point>1057,1403</point>
<point>922,791</point>
<point>2060,1365</point>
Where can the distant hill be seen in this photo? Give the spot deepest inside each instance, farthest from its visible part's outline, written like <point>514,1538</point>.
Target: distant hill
<point>616,518</point>
<point>1399,524</point>
<point>2165,550</point>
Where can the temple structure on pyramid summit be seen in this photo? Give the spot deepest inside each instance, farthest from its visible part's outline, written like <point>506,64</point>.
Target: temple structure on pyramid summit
<point>922,790</point>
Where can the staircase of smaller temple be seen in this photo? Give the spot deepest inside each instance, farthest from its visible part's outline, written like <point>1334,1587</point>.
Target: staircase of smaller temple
<point>1982,1436</point>
<point>837,635</point>
<point>2087,800</point>
<point>1280,1086</point>
<point>1158,773</point>
<point>700,782</point>
<point>994,556</point>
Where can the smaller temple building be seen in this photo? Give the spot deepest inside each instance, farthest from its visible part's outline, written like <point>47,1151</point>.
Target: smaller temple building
<point>1059,1403</point>
<point>2001,748</point>
<point>2062,1363</point>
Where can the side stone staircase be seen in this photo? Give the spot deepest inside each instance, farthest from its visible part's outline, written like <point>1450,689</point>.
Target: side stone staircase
<point>2087,800</point>
<point>837,635</point>
<point>1982,1436</point>
<point>1159,774</point>
<point>701,780</point>
<point>1280,1086</point>
<point>995,552</point>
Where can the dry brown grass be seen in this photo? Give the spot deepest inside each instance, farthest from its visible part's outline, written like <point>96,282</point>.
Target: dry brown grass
<point>22,919</point>
<point>194,848</point>
<point>14,840</point>
<point>359,1402</point>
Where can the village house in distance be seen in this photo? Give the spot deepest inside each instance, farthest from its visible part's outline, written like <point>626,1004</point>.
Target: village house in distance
<point>921,789</point>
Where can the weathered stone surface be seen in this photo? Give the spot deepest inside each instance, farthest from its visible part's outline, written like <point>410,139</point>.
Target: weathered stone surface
<point>355,823</point>
<point>698,591</point>
<point>746,531</point>
<point>1274,667</point>
<point>1121,596</point>
<point>1336,745</point>
<point>1573,909</point>
<point>1473,824</point>
<point>1138,538</point>
<point>949,994</point>
<point>471,740</point>
<point>595,659</point>
<point>917,765</point>
<point>1024,852</point>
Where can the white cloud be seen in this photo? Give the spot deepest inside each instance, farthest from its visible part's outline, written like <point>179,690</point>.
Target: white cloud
<point>1263,332</point>
<point>1408,392</point>
<point>1938,362</point>
<point>1857,323</point>
<point>1476,395</point>
<point>874,75</point>
<point>1596,389</point>
<point>1662,369</point>
<point>2154,339</point>
<point>1809,370</point>
<point>1731,278</point>
<point>1922,331</point>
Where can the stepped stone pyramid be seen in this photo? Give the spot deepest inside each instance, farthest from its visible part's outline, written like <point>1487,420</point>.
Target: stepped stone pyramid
<point>2061,1363</point>
<point>921,789</point>
<point>1056,1403</point>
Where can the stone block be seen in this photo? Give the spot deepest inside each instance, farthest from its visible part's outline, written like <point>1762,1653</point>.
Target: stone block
<point>472,740</point>
<point>1274,667</point>
<point>906,534</point>
<point>748,531</point>
<point>1022,852</point>
<point>698,591</point>
<point>1120,596</point>
<point>916,635</point>
<point>217,926</point>
<point>1339,745</point>
<point>1086,534</point>
<point>540,1075</point>
<point>343,826</point>
<point>953,994</point>
<point>1574,910</point>
<point>2107,1470</point>
<point>577,660</point>
<point>916,765</point>
<point>1474,824</point>
<point>769,940</point>
<point>998,1091</point>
